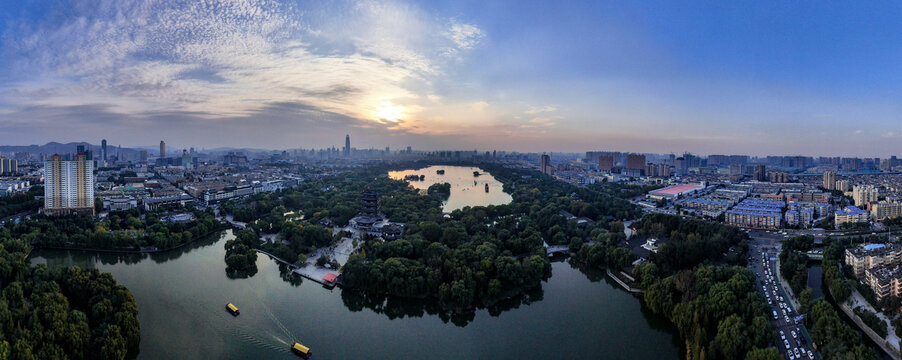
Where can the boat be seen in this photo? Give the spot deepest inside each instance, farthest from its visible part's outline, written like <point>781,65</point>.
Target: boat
<point>301,350</point>
<point>474,182</point>
<point>476,173</point>
<point>232,309</point>
<point>486,187</point>
<point>440,172</point>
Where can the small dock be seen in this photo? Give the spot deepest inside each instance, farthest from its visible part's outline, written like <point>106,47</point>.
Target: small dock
<point>624,284</point>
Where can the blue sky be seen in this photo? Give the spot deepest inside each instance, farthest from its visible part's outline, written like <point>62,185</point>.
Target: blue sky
<point>756,77</point>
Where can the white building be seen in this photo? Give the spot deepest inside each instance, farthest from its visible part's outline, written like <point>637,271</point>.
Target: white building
<point>68,186</point>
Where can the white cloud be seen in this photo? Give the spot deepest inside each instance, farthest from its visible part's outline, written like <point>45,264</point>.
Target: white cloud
<point>465,36</point>
<point>228,58</point>
<point>537,110</point>
<point>479,106</point>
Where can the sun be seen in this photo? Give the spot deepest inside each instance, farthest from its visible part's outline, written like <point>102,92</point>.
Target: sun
<point>389,112</point>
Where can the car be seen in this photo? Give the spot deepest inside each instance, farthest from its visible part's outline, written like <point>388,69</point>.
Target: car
<point>796,351</point>
<point>782,335</point>
<point>810,354</point>
<point>791,357</point>
<point>786,344</point>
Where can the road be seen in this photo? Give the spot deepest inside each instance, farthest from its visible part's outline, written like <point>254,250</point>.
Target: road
<point>763,250</point>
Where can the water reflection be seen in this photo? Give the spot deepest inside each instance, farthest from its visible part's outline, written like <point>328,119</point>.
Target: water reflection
<point>466,189</point>
<point>395,307</point>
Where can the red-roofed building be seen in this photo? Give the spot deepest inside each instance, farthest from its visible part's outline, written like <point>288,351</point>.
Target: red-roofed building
<point>330,279</point>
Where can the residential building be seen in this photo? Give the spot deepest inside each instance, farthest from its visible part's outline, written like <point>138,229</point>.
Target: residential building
<point>867,256</point>
<point>68,186</point>
<point>545,165</point>
<point>756,213</point>
<point>886,210</point>
<point>842,185</point>
<point>850,215</point>
<point>884,281</point>
<point>605,163</point>
<point>830,180</point>
<point>635,162</point>
<point>864,194</point>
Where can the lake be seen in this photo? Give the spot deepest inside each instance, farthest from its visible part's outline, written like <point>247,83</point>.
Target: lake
<point>181,296</point>
<point>466,189</point>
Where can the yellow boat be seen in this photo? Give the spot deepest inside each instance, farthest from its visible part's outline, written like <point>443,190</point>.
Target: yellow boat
<point>232,309</point>
<point>301,350</point>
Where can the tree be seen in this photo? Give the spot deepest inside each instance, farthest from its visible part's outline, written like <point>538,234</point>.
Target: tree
<point>770,353</point>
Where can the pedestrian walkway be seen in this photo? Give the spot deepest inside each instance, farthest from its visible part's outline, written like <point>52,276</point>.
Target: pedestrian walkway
<point>891,341</point>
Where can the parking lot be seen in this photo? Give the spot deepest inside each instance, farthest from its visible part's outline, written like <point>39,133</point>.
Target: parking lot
<point>793,340</point>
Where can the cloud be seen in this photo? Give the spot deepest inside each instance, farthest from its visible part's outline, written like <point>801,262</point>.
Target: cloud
<point>537,110</point>
<point>465,36</point>
<point>217,61</point>
<point>479,106</point>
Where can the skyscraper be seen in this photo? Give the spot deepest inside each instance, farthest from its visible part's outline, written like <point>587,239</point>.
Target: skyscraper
<point>162,149</point>
<point>761,173</point>
<point>545,166</point>
<point>829,180</point>
<point>68,186</point>
<point>347,149</point>
<point>103,149</point>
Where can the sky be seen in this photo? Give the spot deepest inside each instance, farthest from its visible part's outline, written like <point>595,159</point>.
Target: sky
<point>737,77</point>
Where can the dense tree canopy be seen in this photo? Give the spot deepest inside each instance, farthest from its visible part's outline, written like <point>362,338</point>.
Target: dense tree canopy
<point>121,230</point>
<point>64,313</point>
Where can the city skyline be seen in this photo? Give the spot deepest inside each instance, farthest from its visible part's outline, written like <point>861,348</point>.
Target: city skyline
<point>545,78</point>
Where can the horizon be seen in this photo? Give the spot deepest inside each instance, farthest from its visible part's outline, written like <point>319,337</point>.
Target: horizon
<point>748,79</point>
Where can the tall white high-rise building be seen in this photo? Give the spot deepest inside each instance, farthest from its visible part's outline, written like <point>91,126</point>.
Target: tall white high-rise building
<point>68,186</point>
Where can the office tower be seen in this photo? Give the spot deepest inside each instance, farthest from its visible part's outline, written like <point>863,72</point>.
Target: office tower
<point>68,186</point>
<point>605,163</point>
<point>347,149</point>
<point>864,194</point>
<point>409,150</point>
<point>79,149</point>
<point>162,149</point>
<point>829,180</point>
<point>103,149</point>
<point>144,155</point>
<point>545,165</point>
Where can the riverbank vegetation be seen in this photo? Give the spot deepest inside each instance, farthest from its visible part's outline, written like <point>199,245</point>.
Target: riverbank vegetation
<point>62,313</point>
<point>716,310</point>
<point>240,257</point>
<point>836,338</point>
<point>440,190</point>
<point>127,230</point>
<point>794,262</point>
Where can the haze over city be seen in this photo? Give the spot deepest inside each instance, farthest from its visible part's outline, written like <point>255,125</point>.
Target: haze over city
<point>756,78</point>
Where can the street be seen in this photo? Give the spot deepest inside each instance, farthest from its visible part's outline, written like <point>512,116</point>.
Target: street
<point>793,342</point>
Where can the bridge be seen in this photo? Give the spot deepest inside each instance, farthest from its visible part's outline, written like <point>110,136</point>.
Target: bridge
<point>557,249</point>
